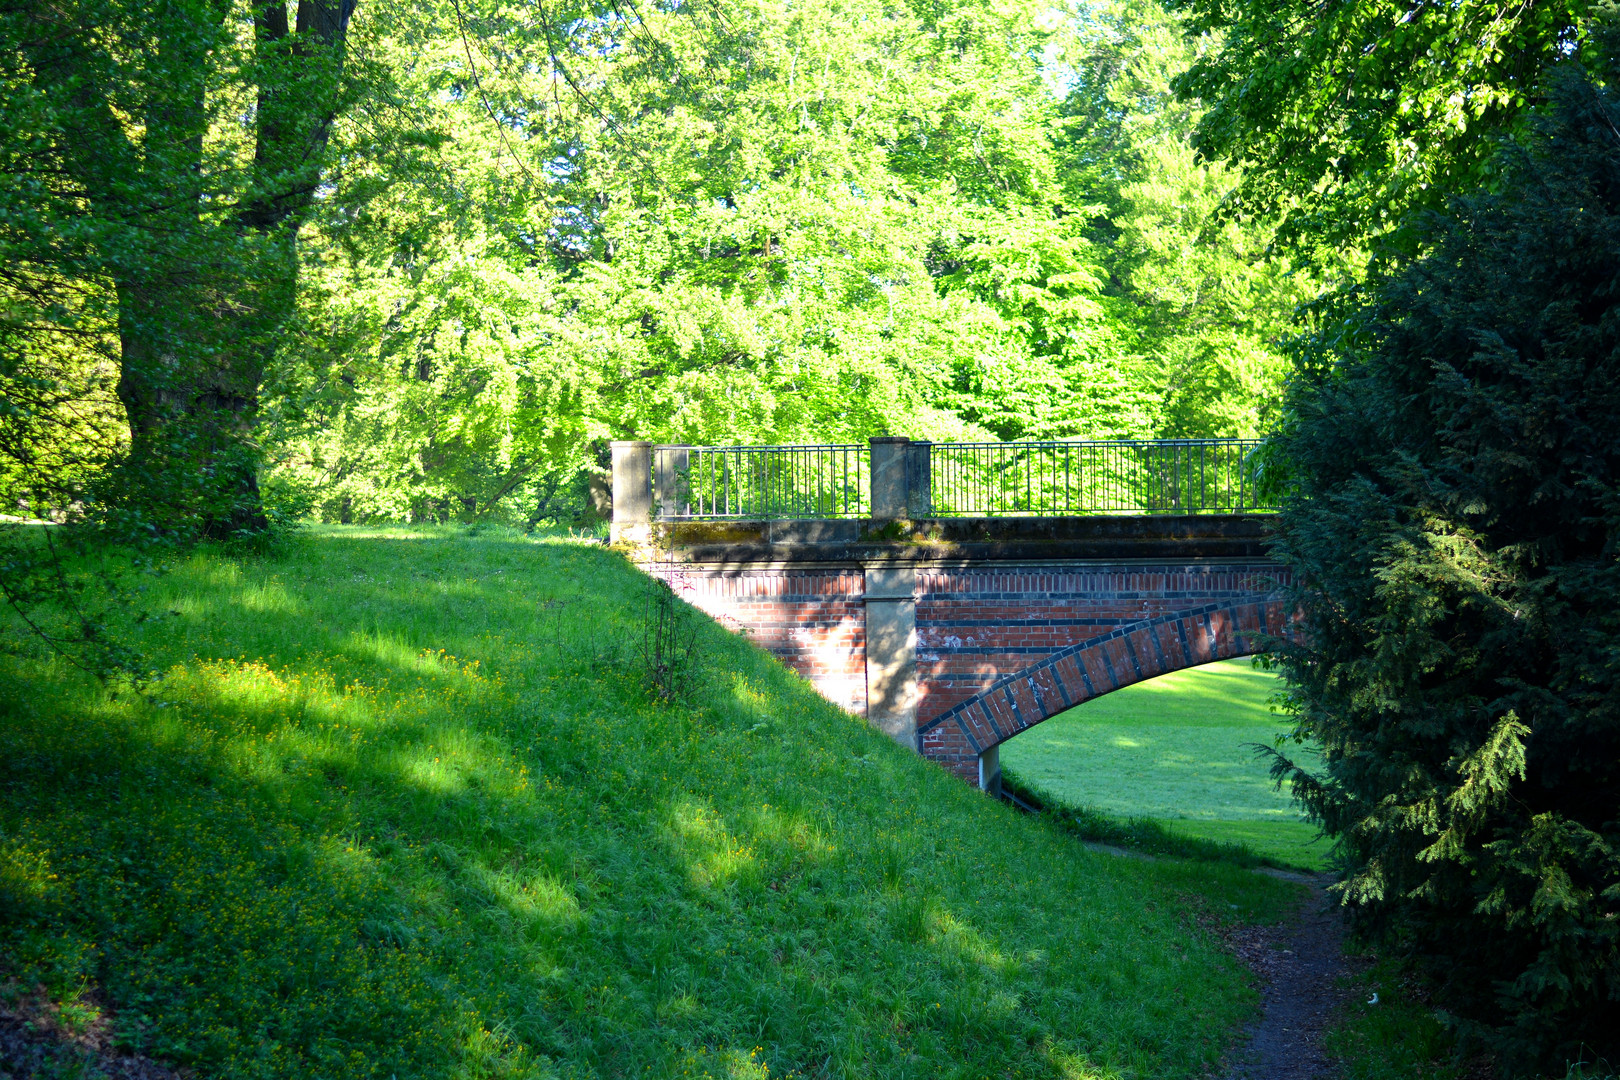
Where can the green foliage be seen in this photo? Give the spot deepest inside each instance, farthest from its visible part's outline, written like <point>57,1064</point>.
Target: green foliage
<point>1203,296</point>
<point>400,804</point>
<point>774,224</point>
<point>159,162</point>
<point>1452,535</point>
<point>421,262</point>
<point>72,592</point>
<point>1351,116</point>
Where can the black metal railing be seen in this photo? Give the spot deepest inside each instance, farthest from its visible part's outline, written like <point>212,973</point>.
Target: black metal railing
<point>761,482</point>
<point>1160,476</point>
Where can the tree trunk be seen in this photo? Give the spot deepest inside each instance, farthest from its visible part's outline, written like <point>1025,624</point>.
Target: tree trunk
<point>189,382</point>
<point>202,301</point>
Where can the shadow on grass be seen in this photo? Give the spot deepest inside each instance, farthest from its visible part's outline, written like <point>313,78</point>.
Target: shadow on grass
<point>388,814</point>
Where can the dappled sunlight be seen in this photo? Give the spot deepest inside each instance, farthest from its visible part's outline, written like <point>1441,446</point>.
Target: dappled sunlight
<point>431,776</point>
<point>265,598</point>
<point>279,723</point>
<point>540,904</point>
<point>1072,1066</point>
<point>782,831</point>
<point>268,914</point>
<point>496,834</point>
<point>714,857</point>
<point>729,1063</point>
<point>393,651</point>
<point>753,698</point>
<point>25,872</point>
<point>763,706</point>
<point>955,937</point>
<point>350,533</point>
<point>389,650</point>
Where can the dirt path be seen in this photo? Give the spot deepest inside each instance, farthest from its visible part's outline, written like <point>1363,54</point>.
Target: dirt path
<point>1299,962</point>
<point>36,1042</point>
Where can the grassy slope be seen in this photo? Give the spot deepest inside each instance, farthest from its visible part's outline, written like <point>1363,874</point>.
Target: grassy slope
<point>399,807</point>
<point>1177,750</point>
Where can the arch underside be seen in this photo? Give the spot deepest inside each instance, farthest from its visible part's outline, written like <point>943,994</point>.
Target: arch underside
<point>1089,669</point>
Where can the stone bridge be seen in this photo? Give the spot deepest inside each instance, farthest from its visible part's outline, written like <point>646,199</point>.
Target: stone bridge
<point>954,634</point>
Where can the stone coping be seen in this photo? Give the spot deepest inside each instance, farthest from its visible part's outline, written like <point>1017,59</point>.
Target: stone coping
<point>1132,537</point>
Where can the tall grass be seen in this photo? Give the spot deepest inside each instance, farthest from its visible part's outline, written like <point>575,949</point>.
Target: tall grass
<point>400,804</point>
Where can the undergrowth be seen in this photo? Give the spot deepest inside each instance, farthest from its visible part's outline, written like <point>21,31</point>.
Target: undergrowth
<point>1389,1031</point>
<point>1391,1028</point>
<point>399,804</point>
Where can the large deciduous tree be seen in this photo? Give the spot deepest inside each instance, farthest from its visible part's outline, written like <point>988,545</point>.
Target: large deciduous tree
<point>167,155</point>
<point>1353,113</point>
<point>765,222</point>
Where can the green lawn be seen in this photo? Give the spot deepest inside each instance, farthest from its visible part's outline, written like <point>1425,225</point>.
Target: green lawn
<point>398,806</point>
<point>1179,750</point>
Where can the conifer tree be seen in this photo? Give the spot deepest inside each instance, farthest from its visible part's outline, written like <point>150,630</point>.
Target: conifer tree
<point>1454,531</point>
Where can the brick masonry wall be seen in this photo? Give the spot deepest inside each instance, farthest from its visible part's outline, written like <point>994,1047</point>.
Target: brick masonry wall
<point>813,620</point>
<point>975,626</point>
<point>1065,677</point>
<point>999,647</point>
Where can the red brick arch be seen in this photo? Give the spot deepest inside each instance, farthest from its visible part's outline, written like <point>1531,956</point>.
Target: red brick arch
<point>955,653</point>
<point>1088,669</point>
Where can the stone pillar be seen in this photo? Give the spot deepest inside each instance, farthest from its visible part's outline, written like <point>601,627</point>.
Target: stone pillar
<point>672,487</point>
<point>632,492</point>
<point>990,771</point>
<point>891,476</point>
<point>920,480</point>
<point>891,652</point>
